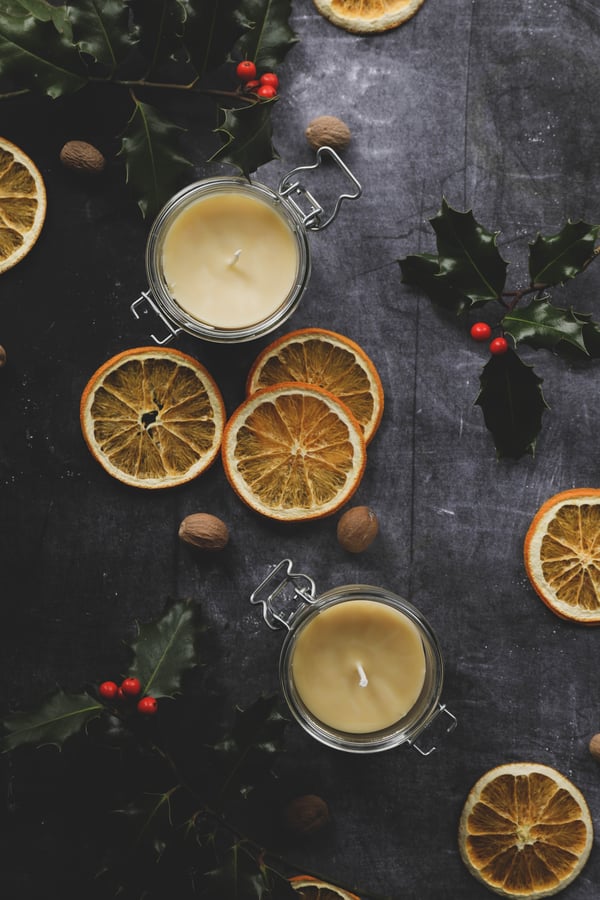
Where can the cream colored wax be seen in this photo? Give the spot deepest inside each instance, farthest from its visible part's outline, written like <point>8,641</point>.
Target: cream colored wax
<point>229,260</point>
<point>359,666</point>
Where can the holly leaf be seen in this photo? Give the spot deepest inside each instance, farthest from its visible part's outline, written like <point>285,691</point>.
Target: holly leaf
<point>247,135</point>
<point>255,738</point>
<point>59,717</point>
<point>269,37</point>
<point>155,169</point>
<point>512,403</point>
<point>165,650</point>
<point>422,270</point>
<point>555,259</point>
<point>211,30</point>
<point>36,49</point>
<point>540,324</point>
<point>241,875</point>
<point>160,26</point>
<point>468,255</point>
<point>102,30</point>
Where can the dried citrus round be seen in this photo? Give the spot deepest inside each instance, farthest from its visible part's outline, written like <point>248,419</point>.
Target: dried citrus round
<point>329,360</point>
<point>310,888</point>
<point>525,830</point>
<point>562,554</point>
<point>22,204</point>
<point>153,417</point>
<point>293,452</point>
<point>368,16</point>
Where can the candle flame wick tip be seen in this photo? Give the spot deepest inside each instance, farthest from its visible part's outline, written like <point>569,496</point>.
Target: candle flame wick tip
<point>363,680</point>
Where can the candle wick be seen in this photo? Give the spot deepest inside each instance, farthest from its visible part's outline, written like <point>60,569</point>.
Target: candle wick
<point>236,256</point>
<point>363,676</point>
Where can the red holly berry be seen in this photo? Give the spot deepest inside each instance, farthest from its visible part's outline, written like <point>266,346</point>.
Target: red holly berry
<point>481,331</point>
<point>270,78</point>
<point>131,687</point>
<point>498,346</point>
<point>246,70</point>
<point>108,690</point>
<point>266,91</point>
<point>251,85</point>
<point>147,706</point>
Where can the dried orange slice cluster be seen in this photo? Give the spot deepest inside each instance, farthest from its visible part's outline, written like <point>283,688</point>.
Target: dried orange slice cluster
<point>296,448</point>
<point>328,360</point>
<point>309,888</point>
<point>22,204</point>
<point>153,417</point>
<point>562,554</point>
<point>368,16</point>
<point>525,831</point>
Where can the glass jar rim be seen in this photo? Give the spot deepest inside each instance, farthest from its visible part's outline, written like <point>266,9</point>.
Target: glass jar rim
<point>153,258</point>
<point>407,729</point>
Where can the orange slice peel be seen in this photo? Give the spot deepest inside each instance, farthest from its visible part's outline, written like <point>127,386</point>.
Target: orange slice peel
<point>368,16</point>
<point>525,831</point>
<point>562,554</point>
<point>152,417</point>
<point>293,452</point>
<point>310,888</point>
<point>22,204</point>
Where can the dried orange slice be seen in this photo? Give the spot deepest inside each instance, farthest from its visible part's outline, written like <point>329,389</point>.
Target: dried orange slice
<point>293,452</point>
<point>562,554</point>
<point>314,889</point>
<point>22,204</point>
<point>153,417</point>
<point>329,360</point>
<point>368,16</point>
<point>525,830</point>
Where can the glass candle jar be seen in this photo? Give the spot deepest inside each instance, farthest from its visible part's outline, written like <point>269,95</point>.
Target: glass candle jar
<point>360,668</point>
<point>228,259</point>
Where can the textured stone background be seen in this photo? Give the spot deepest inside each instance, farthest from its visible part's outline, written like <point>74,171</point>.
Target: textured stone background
<point>493,106</point>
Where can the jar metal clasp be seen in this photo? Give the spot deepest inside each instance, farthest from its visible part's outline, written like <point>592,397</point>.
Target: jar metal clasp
<point>273,595</point>
<point>291,188</point>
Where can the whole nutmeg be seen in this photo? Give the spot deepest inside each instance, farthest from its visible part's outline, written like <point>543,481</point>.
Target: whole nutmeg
<point>594,746</point>
<point>328,131</point>
<point>204,531</point>
<point>2,356</point>
<point>82,157</point>
<point>357,529</point>
<point>306,814</point>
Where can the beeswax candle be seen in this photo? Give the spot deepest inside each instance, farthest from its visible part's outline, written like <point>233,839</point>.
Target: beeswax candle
<point>230,260</point>
<point>359,666</point>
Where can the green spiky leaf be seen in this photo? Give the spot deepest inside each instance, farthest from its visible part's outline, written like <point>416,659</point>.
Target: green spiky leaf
<point>160,27</point>
<point>512,403</point>
<point>555,259</point>
<point>155,167</point>
<point>102,30</point>
<point>269,37</point>
<point>59,717</point>
<point>165,650</point>
<point>468,255</point>
<point>540,324</point>
<point>247,135</point>
<point>240,875</point>
<point>422,270</point>
<point>36,49</point>
<point>211,30</point>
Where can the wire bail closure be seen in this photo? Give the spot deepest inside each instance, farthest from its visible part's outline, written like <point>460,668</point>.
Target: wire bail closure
<point>274,587</point>
<point>288,188</point>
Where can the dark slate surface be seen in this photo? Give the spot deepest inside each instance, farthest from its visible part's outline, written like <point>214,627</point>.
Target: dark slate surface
<point>491,105</point>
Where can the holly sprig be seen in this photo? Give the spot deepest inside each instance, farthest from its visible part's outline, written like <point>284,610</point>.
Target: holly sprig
<point>147,51</point>
<point>468,273</point>
<point>167,801</point>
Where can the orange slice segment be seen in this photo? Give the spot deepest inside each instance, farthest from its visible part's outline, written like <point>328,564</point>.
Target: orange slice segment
<point>562,554</point>
<point>368,16</point>
<point>328,360</point>
<point>310,888</point>
<point>22,204</point>
<point>293,452</point>
<point>525,830</point>
<point>152,417</point>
